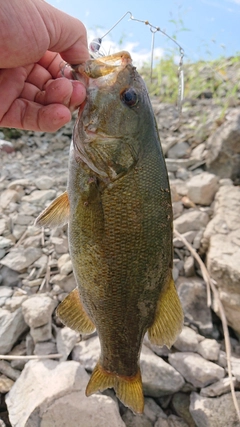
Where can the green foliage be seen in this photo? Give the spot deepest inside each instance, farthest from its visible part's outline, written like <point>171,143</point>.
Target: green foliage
<point>218,79</point>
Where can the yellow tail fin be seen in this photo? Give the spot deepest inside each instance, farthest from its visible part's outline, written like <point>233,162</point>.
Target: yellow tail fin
<point>128,389</point>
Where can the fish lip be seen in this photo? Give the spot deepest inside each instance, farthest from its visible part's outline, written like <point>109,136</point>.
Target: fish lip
<point>95,68</point>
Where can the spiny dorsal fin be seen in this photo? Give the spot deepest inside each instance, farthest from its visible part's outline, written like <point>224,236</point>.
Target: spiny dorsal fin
<point>56,214</point>
<point>168,317</point>
<point>72,314</point>
<point>128,389</point>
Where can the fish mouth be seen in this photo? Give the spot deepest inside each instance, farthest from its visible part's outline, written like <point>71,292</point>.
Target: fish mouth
<point>95,68</point>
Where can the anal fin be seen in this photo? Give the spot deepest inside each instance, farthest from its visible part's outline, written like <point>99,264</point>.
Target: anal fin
<point>128,389</point>
<point>56,214</point>
<point>169,317</point>
<point>72,314</point>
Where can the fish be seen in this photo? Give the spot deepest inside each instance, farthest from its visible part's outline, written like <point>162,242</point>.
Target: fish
<point>119,214</point>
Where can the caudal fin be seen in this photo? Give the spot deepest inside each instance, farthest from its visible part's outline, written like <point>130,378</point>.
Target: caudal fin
<point>128,389</point>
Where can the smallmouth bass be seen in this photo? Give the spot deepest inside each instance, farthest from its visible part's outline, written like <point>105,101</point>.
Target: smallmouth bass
<point>119,214</point>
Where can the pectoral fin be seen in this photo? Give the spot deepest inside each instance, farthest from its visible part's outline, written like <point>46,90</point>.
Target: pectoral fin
<point>56,214</point>
<point>72,314</point>
<point>128,389</point>
<point>168,317</point>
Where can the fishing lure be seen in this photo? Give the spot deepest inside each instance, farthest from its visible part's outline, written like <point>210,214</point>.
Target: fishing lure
<point>95,52</point>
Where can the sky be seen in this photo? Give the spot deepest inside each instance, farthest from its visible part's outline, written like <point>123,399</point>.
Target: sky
<point>205,29</point>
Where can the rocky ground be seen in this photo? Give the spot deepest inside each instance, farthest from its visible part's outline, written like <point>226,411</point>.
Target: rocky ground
<point>185,386</point>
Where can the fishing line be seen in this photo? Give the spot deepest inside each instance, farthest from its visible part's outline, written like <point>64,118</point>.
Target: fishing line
<point>95,46</point>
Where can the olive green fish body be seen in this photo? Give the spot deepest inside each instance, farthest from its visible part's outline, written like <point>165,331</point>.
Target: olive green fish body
<point>118,208</point>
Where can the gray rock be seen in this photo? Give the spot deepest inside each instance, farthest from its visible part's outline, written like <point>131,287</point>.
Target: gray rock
<point>87,352</point>
<point>5,243</point>
<point>195,369</point>
<point>44,182</point>
<point>223,157</point>
<point>42,333</point>
<point>58,398</point>
<point>181,149</point>
<point>132,420</point>
<point>189,268</point>
<point>235,363</point>
<point>187,340</point>
<point>193,296</point>
<point>12,325</point>
<point>193,220</point>
<point>66,283</point>
<point>5,293</point>
<point>44,348</point>
<point>8,196</point>
<point>180,403</point>
<point>217,389</point>
<point>37,310</point>
<point>18,259</point>
<point>222,235</point>
<point>209,349</point>
<point>152,410</point>
<point>217,412</point>
<point>5,384</point>
<point>8,371</point>
<point>15,302</point>
<point>60,244</point>
<point>202,188</point>
<point>40,197</point>
<point>66,340</point>
<point>158,377</point>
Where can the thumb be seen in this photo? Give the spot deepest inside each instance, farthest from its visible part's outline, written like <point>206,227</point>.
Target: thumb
<point>67,35</point>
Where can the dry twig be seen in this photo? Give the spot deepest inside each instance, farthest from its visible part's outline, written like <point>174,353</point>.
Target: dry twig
<point>211,286</point>
<point>30,357</point>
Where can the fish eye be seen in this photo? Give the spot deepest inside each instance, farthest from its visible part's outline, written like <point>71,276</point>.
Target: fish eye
<point>129,97</point>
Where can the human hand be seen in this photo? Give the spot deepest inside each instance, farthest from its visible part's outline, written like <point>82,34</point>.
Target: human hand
<point>33,94</point>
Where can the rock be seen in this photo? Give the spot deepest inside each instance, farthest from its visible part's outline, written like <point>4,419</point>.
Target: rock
<point>223,157</point>
<point>181,149</point>
<point>158,377</point>
<point>202,188</point>
<point>5,293</point>
<point>208,412</point>
<point>187,340</point>
<point>193,296</point>
<point>12,325</point>
<point>8,148</point>
<point>8,371</point>
<point>87,353</point>
<point>235,363</point>
<point>217,389</point>
<point>180,404</point>
<point>209,349</point>
<point>18,259</point>
<point>65,264</point>
<point>15,302</point>
<point>44,182</point>
<point>66,283</point>
<point>37,310</point>
<point>171,421</point>
<point>132,420</point>
<point>5,243</point>
<point>44,348</point>
<point>8,196</point>
<point>189,236</point>
<point>195,369</point>
<point>62,402</point>
<point>189,268</point>
<point>40,197</point>
<point>42,333</point>
<point>193,220</point>
<point>222,235</point>
<point>5,384</point>
<point>60,244</point>
<point>152,410</point>
<point>66,340</point>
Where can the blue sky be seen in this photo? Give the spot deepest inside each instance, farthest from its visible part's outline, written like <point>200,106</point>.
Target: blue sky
<point>213,26</point>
